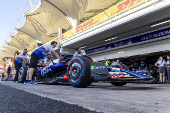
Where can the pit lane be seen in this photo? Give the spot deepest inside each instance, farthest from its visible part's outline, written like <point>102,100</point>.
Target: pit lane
<point>103,97</point>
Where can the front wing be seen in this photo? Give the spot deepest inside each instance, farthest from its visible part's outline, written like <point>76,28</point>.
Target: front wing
<point>99,72</point>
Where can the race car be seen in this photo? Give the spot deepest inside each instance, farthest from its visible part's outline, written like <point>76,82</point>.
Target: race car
<point>82,71</point>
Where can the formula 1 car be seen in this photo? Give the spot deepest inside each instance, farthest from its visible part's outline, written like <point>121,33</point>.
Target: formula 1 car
<point>82,71</point>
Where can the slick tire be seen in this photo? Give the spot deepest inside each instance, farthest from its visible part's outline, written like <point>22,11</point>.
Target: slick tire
<point>78,72</point>
<point>22,74</point>
<point>118,83</point>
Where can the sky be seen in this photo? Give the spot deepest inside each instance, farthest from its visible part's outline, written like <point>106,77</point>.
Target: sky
<point>10,11</point>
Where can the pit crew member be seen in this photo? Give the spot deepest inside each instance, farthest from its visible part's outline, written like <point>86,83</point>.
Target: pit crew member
<point>47,61</point>
<point>18,63</point>
<point>38,54</point>
<point>79,52</point>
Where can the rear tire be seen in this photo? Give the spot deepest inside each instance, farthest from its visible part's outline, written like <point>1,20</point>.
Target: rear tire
<point>118,83</point>
<point>22,74</point>
<point>78,72</point>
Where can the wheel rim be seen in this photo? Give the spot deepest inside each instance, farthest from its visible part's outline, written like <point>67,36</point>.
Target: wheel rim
<point>20,75</point>
<point>74,71</point>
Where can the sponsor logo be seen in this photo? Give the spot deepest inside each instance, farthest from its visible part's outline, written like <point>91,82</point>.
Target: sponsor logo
<point>60,38</point>
<point>64,76</point>
<point>92,67</point>
<point>97,67</point>
<point>45,71</point>
<point>115,75</point>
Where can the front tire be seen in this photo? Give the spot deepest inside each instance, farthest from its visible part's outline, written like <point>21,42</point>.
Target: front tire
<point>22,74</point>
<point>118,83</point>
<point>78,72</point>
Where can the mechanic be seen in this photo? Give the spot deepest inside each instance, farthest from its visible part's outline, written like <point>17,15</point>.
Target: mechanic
<point>8,72</point>
<point>79,52</point>
<point>18,63</point>
<point>130,42</point>
<point>38,54</point>
<point>118,61</point>
<point>142,65</point>
<point>113,62</point>
<point>47,61</point>
<point>131,67</point>
<point>135,66</point>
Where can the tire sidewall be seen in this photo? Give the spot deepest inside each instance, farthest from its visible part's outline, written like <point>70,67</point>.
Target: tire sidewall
<point>23,76</point>
<point>83,72</point>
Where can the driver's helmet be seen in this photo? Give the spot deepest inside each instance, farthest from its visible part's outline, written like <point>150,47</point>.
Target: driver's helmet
<point>107,63</point>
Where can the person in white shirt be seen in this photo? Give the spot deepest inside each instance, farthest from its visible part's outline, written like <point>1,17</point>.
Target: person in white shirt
<point>130,42</point>
<point>47,61</point>
<point>161,69</point>
<point>168,67</point>
<point>22,57</point>
<point>79,52</point>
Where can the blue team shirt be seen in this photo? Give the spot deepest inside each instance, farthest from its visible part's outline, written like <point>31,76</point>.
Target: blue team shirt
<point>44,51</point>
<point>142,66</point>
<point>19,60</point>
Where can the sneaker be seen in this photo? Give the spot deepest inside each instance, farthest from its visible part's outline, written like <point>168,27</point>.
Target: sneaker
<point>16,81</point>
<point>25,82</point>
<point>31,82</point>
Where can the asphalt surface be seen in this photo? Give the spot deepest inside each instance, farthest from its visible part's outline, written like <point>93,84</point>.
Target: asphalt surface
<point>100,97</point>
<point>17,101</point>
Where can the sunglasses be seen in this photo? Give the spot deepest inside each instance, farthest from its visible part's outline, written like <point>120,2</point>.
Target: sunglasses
<point>25,49</point>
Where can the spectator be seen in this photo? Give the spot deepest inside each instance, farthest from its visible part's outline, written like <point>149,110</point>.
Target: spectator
<point>168,67</point>
<point>79,52</point>
<point>161,69</point>
<point>8,72</point>
<point>142,65</point>
<point>135,66</point>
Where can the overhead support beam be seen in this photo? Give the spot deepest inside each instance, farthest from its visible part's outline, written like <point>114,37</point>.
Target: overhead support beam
<point>56,8</point>
<point>17,27</point>
<point>31,4</point>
